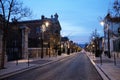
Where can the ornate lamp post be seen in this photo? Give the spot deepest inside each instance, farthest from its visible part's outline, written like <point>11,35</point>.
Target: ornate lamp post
<point>106,24</point>
<point>44,26</point>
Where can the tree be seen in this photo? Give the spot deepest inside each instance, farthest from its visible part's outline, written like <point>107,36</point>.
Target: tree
<point>115,10</point>
<point>95,40</point>
<point>10,9</point>
<point>94,35</point>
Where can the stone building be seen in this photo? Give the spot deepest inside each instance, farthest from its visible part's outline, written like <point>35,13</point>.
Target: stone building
<point>16,43</point>
<point>114,35</point>
<point>1,38</point>
<point>46,29</point>
<point>25,38</point>
<point>112,29</point>
<point>1,47</point>
<point>64,44</point>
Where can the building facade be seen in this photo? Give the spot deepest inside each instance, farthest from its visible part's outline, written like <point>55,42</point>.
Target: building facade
<point>111,33</point>
<point>43,33</point>
<point>1,42</point>
<point>25,38</point>
<point>16,41</point>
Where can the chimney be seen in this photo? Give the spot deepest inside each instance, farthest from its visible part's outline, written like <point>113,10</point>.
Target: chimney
<point>56,16</point>
<point>42,17</point>
<point>51,16</point>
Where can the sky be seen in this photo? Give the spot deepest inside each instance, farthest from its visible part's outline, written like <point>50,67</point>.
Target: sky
<point>78,18</point>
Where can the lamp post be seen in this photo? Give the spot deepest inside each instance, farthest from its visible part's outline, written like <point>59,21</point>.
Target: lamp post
<point>60,47</point>
<point>109,44</point>
<point>49,48</point>
<point>108,38</point>
<point>42,44</point>
<point>93,50</point>
<point>44,26</point>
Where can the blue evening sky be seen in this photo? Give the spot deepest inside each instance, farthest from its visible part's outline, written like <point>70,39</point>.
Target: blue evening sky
<point>78,18</point>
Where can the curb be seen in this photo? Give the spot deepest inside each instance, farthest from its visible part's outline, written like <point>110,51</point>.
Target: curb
<point>29,68</point>
<point>15,72</point>
<point>99,70</point>
<point>104,73</point>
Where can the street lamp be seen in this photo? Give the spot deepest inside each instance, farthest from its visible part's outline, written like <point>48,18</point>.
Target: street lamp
<point>103,23</point>
<point>44,26</point>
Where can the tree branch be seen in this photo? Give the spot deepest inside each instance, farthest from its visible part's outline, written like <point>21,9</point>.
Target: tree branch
<point>10,8</point>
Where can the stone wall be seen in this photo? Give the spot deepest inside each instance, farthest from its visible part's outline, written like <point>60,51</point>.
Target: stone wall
<point>36,52</point>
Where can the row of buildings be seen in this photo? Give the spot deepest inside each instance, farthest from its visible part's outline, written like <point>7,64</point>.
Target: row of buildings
<point>34,38</point>
<point>112,30</point>
<point>112,34</point>
<point>110,42</point>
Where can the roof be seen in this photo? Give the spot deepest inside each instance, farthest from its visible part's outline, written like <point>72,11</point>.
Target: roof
<point>112,19</point>
<point>64,39</point>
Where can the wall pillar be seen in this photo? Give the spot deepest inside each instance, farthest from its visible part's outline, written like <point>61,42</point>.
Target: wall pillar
<point>1,36</point>
<point>25,31</point>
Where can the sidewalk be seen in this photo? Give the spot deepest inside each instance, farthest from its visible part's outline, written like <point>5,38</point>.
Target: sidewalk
<point>107,69</point>
<point>12,67</point>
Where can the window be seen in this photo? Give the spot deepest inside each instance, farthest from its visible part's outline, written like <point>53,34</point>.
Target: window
<point>38,30</point>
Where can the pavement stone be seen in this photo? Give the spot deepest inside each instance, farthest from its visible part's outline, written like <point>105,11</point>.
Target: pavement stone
<point>11,68</point>
<point>108,68</point>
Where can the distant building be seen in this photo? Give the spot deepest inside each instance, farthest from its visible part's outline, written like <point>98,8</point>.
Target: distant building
<point>64,44</point>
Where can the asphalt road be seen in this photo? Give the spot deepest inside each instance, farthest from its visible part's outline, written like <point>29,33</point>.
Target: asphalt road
<point>77,67</point>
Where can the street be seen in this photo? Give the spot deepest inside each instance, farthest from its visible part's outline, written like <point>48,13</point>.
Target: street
<point>75,67</point>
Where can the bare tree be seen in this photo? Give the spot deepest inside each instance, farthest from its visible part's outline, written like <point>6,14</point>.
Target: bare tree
<point>11,9</point>
<point>94,35</point>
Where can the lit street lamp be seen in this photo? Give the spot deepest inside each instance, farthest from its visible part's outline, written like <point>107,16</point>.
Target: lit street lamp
<point>44,26</point>
<point>103,23</point>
